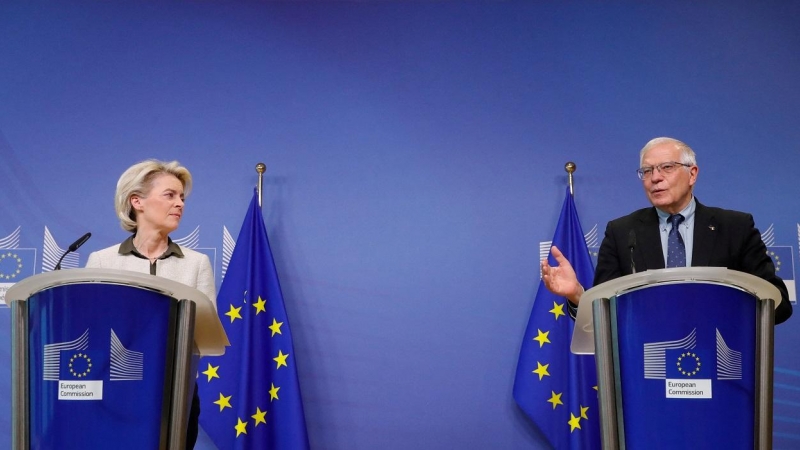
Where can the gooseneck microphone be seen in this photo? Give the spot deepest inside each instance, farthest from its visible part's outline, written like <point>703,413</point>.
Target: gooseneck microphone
<point>75,245</point>
<point>632,245</point>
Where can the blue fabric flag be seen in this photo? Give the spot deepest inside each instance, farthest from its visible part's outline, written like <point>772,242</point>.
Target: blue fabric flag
<point>251,396</point>
<point>555,388</point>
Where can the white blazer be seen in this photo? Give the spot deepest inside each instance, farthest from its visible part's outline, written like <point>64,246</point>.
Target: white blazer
<point>193,270</point>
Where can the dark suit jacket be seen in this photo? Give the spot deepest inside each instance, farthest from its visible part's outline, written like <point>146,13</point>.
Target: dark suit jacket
<point>722,238</point>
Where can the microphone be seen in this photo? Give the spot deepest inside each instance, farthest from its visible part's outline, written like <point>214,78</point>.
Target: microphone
<point>75,245</point>
<point>632,245</point>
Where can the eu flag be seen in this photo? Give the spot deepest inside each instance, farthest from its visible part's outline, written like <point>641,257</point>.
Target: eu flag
<point>251,396</point>
<point>555,388</point>
<point>784,267</point>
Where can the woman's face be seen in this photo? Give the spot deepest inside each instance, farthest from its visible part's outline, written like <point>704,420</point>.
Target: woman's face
<point>161,208</point>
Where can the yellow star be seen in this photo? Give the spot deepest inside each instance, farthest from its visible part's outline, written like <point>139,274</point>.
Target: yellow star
<point>211,372</point>
<point>275,327</point>
<point>555,399</point>
<point>260,417</point>
<point>574,422</point>
<point>241,427</point>
<point>234,313</point>
<point>259,305</point>
<point>542,338</point>
<point>558,309</point>
<point>541,370</point>
<point>273,393</point>
<point>281,359</point>
<point>583,412</point>
<point>223,402</point>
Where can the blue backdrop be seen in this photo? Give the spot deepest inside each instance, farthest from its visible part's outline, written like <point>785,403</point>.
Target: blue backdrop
<point>415,155</point>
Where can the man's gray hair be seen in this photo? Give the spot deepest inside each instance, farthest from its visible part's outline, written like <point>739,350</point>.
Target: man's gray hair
<point>687,154</point>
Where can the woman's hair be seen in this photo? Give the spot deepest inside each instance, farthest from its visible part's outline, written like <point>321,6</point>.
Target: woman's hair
<point>138,180</point>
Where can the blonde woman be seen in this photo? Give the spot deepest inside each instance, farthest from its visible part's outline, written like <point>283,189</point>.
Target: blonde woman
<point>149,202</point>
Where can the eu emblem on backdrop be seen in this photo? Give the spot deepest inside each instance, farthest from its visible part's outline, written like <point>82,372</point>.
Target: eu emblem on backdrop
<point>15,263</point>
<point>251,395</point>
<point>784,267</point>
<point>555,388</point>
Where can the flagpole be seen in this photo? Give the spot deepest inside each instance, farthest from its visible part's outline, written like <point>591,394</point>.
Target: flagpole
<point>570,167</point>
<point>261,168</point>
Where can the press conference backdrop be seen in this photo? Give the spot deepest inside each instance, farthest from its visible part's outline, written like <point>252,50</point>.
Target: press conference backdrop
<point>415,155</point>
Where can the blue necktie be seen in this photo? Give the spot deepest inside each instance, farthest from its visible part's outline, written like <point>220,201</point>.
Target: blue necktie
<point>676,251</point>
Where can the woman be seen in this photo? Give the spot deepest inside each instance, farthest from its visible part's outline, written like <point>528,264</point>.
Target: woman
<point>149,203</point>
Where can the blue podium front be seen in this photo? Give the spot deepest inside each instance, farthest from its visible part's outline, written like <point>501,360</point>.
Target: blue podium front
<point>99,365</point>
<point>684,358</point>
<point>106,359</point>
<point>686,362</point>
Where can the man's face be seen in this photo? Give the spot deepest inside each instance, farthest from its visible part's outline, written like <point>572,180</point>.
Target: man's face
<point>669,192</point>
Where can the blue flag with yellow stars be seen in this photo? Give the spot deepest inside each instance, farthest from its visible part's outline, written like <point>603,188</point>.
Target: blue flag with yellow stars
<point>555,388</point>
<point>251,396</point>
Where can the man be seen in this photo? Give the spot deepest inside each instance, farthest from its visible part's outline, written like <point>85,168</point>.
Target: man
<point>708,236</point>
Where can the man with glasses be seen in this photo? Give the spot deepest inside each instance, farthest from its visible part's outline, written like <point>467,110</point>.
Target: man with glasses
<point>678,231</point>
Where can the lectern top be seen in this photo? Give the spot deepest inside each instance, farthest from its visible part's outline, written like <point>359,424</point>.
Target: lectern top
<point>583,334</point>
<point>209,335</point>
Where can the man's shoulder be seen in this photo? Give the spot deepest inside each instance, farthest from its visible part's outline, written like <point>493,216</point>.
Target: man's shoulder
<point>637,216</point>
<point>722,214</point>
<point>649,214</point>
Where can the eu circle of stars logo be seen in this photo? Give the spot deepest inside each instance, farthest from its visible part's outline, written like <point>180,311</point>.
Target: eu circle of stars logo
<point>10,265</point>
<point>689,364</point>
<point>776,259</point>
<point>80,365</point>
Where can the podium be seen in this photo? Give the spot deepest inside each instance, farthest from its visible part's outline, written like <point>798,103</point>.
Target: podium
<point>106,358</point>
<point>684,358</point>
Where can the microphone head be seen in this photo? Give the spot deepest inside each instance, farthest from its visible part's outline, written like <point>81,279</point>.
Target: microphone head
<point>82,240</point>
<point>72,248</point>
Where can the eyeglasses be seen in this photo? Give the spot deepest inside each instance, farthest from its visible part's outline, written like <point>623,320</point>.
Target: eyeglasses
<point>665,168</point>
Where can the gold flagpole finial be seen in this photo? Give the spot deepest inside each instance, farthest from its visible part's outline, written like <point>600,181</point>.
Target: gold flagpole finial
<point>260,168</point>
<point>570,167</point>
